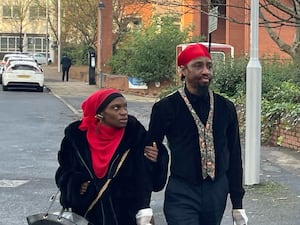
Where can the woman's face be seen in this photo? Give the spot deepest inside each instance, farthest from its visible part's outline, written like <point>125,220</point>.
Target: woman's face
<point>115,114</point>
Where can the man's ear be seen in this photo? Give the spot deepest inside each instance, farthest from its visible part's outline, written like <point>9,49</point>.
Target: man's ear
<point>183,70</point>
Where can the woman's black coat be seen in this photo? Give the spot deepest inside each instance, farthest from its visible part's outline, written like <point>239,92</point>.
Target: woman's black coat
<point>128,192</point>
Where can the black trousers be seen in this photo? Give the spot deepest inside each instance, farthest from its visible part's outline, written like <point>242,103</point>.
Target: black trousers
<point>189,204</point>
<point>65,73</point>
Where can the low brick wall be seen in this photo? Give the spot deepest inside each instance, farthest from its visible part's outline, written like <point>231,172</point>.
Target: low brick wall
<point>80,73</point>
<point>119,82</point>
<point>289,138</point>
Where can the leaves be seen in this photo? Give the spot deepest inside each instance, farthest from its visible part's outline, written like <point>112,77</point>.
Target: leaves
<point>150,54</point>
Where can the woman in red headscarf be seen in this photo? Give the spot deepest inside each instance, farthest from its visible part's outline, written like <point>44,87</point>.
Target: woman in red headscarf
<point>106,143</point>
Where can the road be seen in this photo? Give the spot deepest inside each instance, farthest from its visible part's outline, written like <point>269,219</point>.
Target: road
<point>31,129</point>
<point>32,125</point>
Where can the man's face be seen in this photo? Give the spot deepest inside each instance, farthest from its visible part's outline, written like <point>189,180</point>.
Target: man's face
<point>198,72</point>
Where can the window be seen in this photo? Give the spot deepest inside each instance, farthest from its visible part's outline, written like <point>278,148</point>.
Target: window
<point>6,11</point>
<point>12,44</point>
<point>38,44</point>
<point>3,44</point>
<point>11,11</point>
<point>16,12</point>
<point>133,23</point>
<point>36,12</point>
<point>221,6</point>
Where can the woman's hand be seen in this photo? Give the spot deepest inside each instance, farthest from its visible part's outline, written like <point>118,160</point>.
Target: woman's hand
<point>151,152</point>
<point>84,186</point>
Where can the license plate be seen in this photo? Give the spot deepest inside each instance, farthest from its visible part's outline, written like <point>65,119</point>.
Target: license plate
<point>23,76</point>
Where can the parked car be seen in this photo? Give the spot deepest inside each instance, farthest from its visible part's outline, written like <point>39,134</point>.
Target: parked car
<point>40,58</point>
<point>23,75</point>
<point>6,57</point>
<point>12,60</point>
<point>9,55</point>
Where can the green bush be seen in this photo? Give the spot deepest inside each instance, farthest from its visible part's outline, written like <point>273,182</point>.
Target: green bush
<point>150,54</point>
<point>280,92</point>
<point>230,78</point>
<point>274,72</point>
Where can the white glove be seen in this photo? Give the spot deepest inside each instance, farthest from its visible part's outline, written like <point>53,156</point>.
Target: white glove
<point>239,217</point>
<point>143,217</point>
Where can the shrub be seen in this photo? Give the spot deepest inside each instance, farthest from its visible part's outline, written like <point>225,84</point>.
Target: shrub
<point>280,92</point>
<point>230,78</point>
<point>150,54</point>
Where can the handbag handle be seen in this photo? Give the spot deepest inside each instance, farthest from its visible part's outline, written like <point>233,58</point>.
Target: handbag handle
<point>104,187</point>
<point>52,199</point>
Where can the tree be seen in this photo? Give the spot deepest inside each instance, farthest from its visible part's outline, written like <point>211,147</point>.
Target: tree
<point>150,54</point>
<point>17,13</point>
<point>79,19</point>
<point>274,15</point>
<point>126,15</point>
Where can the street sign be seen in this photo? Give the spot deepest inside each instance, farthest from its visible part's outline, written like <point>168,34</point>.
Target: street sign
<point>213,20</point>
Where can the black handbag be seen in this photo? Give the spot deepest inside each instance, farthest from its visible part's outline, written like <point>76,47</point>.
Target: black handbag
<point>63,217</point>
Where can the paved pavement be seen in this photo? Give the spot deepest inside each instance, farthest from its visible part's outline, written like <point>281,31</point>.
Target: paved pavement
<point>76,89</point>
<point>274,201</point>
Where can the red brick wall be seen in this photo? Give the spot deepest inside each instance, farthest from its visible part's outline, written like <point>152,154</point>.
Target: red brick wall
<point>119,82</point>
<point>290,138</point>
<point>238,34</point>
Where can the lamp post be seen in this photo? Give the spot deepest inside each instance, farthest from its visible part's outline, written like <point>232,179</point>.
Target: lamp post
<point>47,32</point>
<point>100,7</point>
<point>253,103</point>
<point>58,35</point>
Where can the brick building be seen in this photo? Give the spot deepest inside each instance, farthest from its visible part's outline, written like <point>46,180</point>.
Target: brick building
<point>235,34</point>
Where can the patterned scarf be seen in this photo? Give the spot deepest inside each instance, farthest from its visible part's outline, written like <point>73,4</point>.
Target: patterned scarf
<point>206,139</point>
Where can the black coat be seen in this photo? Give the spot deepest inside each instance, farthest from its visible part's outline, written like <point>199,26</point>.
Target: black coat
<point>171,118</point>
<point>66,62</point>
<point>128,192</point>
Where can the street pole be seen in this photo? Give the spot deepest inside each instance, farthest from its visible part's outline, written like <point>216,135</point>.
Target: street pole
<point>47,32</point>
<point>253,103</point>
<point>208,31</point>
<point>58,36</point>
<point>101,7</point>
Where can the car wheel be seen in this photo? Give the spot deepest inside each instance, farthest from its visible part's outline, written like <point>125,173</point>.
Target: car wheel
<point>4,88</point>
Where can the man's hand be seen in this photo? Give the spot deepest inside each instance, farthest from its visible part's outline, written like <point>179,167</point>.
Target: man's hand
<point>239,217</point>
<point>151,152</point>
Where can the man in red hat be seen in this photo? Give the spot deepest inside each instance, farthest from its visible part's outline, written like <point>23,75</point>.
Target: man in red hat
<point>202,131</point>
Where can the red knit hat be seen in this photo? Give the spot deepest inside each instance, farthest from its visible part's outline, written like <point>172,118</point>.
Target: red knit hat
<point>192,52</point>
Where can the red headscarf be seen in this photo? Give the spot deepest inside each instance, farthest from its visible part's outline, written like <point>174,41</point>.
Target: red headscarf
<point>103,140</point>
<point>192,52</point>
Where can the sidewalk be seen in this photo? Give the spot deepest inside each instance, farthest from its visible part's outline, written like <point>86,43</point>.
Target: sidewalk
<point>275,201</point>
<point>76,87</point>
